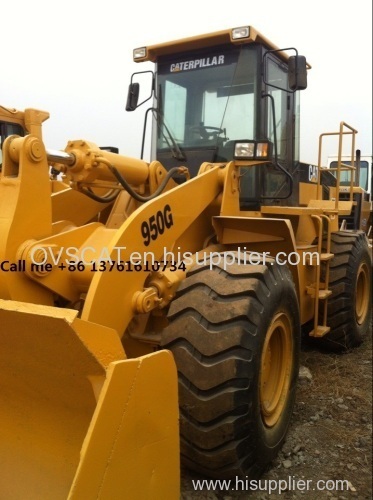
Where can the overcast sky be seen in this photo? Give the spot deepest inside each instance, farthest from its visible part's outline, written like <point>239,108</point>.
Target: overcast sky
<point>74,59</point>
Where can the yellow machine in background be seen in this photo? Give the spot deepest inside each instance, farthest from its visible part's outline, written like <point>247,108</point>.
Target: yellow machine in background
<point>214,255</point>
<point>361,185</point>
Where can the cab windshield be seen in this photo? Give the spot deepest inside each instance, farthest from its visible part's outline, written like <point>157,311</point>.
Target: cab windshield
<point>207,101</point>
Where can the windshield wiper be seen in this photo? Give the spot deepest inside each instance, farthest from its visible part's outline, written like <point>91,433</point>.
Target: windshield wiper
<point>174,147</point>
<point>171,143</point>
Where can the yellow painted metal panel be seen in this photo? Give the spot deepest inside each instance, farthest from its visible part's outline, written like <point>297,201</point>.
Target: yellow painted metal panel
<point>63,379</point>
<point>132,449</point>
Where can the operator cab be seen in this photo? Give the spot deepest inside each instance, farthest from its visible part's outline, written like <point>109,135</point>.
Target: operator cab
<point>227,96</point>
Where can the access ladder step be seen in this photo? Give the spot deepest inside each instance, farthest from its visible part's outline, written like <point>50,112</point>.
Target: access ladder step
<point>315,259</point>
<point>322,295</point>
<point>326,256</point>
<point>320,331</point>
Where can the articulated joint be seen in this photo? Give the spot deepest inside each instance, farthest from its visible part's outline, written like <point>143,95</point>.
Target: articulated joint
<point>162,289</point>
<point>145,301</point>
<point>39,260</point>
<point>31,145</point>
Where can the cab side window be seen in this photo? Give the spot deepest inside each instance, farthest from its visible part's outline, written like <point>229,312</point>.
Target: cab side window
<point>7,129</point>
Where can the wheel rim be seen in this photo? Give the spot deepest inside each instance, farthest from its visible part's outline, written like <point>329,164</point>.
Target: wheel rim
<point>362,293</point>
<point>276,367</point>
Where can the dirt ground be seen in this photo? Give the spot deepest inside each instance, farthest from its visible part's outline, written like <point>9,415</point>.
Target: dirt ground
<point>330,437</point>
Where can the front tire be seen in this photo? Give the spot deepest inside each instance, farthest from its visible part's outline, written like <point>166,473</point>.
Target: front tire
<point>235,336</point>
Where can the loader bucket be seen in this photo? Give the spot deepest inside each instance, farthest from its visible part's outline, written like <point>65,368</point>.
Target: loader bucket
<point>77,419</point>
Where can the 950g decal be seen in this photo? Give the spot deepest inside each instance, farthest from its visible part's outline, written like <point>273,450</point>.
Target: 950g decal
<point>156,225</point>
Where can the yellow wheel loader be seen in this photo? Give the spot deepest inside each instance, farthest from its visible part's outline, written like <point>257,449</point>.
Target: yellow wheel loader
<point>360,217</point>
<point>151,310</point>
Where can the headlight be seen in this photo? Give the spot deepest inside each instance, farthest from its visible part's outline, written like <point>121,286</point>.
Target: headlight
<point>262,150</point>
<point>139,53</point>
<point>242,32</point>
<point>252,150</point>
<point>244,150</point>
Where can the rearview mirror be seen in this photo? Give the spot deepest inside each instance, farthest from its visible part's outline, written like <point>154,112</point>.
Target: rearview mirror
<point>140,90</point>
<point>297,73</point>
<point>132,96</point>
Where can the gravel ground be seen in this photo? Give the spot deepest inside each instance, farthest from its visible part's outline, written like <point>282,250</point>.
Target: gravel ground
<point>330,437</point>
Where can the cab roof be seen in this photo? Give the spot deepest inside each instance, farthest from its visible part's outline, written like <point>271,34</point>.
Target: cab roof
<point>153,52</point>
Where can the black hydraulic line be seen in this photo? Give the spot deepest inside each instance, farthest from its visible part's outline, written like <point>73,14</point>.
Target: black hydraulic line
<point>137,196</point>
<point>101,199</point>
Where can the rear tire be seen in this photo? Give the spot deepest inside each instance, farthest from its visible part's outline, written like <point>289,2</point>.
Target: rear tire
<point>235,336</point>
<point>349,307</point>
